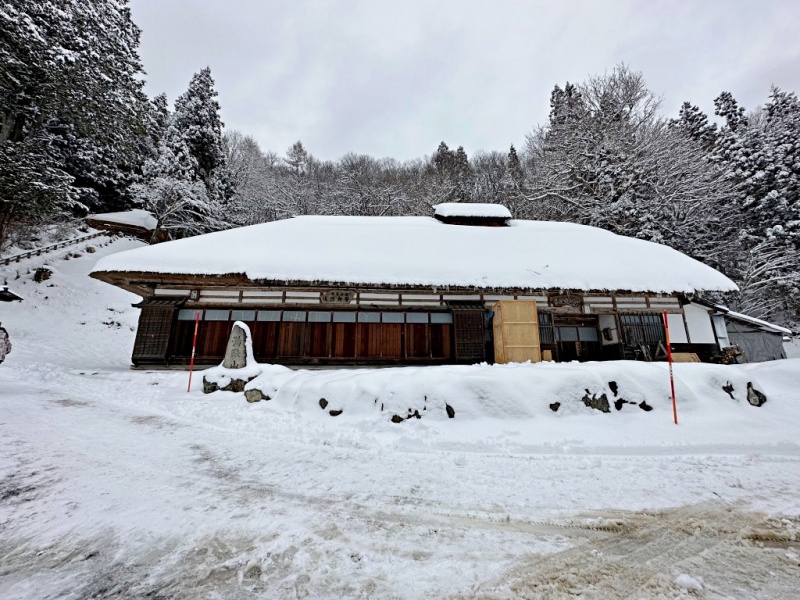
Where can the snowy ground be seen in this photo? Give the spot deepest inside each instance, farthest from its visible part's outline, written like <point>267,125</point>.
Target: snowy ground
<point>119,483</point>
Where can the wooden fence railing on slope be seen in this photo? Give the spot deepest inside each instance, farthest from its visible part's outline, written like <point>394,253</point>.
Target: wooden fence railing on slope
<point>7,260</point>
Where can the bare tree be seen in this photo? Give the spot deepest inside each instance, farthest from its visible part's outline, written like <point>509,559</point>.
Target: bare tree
<point>607,159</point>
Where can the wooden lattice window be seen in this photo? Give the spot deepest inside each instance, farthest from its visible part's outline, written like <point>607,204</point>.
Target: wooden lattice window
<point>470,329</point>
<point>638,329</point>
<point>546,329</point>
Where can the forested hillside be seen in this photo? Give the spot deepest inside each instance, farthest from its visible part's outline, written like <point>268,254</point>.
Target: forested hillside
<point>78,135</point>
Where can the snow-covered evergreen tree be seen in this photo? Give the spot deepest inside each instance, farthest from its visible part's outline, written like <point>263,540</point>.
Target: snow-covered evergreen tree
<point>463,176</point>
<point>297,158</point>
<point>70,101</point>
<point>454,174</point>
<point>728,108</point>
<point>694,123</point>
<point>198,127</point>
<point>33,184</point>
<point>158,121</point>
<point>761,157</point>
<point>774,189</point>
<point>514,183</point>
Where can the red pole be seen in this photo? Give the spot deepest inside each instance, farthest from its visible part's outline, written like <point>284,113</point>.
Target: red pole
<point>671,378</point>
<point>194,345</point>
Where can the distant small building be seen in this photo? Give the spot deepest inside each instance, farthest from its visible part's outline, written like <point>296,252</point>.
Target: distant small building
<point>456,288</point>
<point>6,295</point>
<point>137,223</point>
<point>755,340</point>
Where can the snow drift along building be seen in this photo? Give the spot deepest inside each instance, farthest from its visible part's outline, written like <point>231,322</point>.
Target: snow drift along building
<point>402,290</point>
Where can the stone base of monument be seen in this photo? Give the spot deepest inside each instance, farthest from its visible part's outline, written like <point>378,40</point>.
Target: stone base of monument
<point>235,385</point>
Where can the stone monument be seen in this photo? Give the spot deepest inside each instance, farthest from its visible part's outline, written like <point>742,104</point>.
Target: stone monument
<point>236,351</point>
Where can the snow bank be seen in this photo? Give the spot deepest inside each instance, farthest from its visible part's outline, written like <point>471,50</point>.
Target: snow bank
<point>423,251</point>
<point>514,392</point>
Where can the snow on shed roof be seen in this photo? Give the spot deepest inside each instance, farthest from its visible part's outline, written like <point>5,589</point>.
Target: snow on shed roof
<point>758,322</point>
<point>136,217</point>
<point>424,251</point>
<point>470,209</point>
<point>737,316</point>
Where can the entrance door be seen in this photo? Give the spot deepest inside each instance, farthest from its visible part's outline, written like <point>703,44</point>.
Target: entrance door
<point>152,335</point>
<point>576,337</point>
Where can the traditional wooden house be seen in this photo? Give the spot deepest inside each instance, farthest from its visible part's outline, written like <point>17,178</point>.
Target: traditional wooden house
<point>136,223</point>
<point>458,288</point>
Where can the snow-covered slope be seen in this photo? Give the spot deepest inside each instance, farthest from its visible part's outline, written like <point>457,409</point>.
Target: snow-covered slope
<point>119,483</point>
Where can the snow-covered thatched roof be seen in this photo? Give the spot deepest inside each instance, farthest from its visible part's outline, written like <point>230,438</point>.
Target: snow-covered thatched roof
<point>412,251</point>
<point>471,209</point>
<point>135,217</point>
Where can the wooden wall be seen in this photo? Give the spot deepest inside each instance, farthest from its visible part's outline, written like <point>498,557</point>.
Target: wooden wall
<point>466,337</point>
<point>297,342</point>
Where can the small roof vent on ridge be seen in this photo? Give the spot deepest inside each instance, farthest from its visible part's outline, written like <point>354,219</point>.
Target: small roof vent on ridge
<point>471,213</point>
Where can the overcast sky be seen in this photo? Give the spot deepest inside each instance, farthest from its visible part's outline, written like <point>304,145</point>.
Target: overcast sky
<point>396,77</point>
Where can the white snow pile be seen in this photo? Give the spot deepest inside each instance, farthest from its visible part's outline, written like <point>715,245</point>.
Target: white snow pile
<point>688,582</point>
<point>471,209</point>
<point>424,251</point>
<point>515,393</point>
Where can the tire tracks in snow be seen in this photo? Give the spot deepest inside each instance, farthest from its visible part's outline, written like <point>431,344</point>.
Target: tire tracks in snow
<point>611,554</point>
<point>733,552</point>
